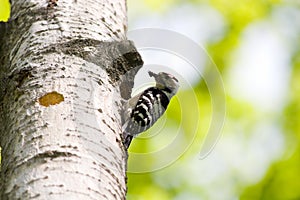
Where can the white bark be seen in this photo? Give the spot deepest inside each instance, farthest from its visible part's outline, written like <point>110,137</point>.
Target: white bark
<point>60,123</point>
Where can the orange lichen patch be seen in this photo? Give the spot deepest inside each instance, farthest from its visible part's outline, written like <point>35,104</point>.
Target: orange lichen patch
<point>51,98</point>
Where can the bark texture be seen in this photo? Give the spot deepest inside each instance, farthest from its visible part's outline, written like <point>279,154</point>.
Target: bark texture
<point>62,64</point>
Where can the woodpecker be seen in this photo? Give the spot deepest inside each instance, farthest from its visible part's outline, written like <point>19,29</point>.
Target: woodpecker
<point>144,109</point>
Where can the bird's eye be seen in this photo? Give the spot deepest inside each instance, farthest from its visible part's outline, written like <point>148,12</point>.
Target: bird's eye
<point>174,78</point>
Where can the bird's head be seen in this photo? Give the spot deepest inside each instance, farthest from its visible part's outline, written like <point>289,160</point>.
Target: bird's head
<point>165,82</point>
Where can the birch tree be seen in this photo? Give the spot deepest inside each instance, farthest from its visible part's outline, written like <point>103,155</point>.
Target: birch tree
<point>63,64</point>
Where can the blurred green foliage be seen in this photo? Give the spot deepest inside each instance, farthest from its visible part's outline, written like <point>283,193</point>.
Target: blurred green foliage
<point>4,10</point>
<point>238,15</point>
<point>280,181</point>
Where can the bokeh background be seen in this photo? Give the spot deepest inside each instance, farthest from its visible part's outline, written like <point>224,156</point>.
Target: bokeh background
<point>255,46</point>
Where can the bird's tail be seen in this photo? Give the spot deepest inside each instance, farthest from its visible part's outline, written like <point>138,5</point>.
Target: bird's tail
<point>127,140</point>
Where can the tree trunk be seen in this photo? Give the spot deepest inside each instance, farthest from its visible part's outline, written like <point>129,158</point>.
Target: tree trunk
<point>60,99</point>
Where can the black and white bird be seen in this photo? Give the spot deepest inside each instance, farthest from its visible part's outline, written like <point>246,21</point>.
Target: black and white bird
<point>144,109</point>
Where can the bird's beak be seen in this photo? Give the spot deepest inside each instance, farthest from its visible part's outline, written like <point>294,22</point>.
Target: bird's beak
<point>152,74</point>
